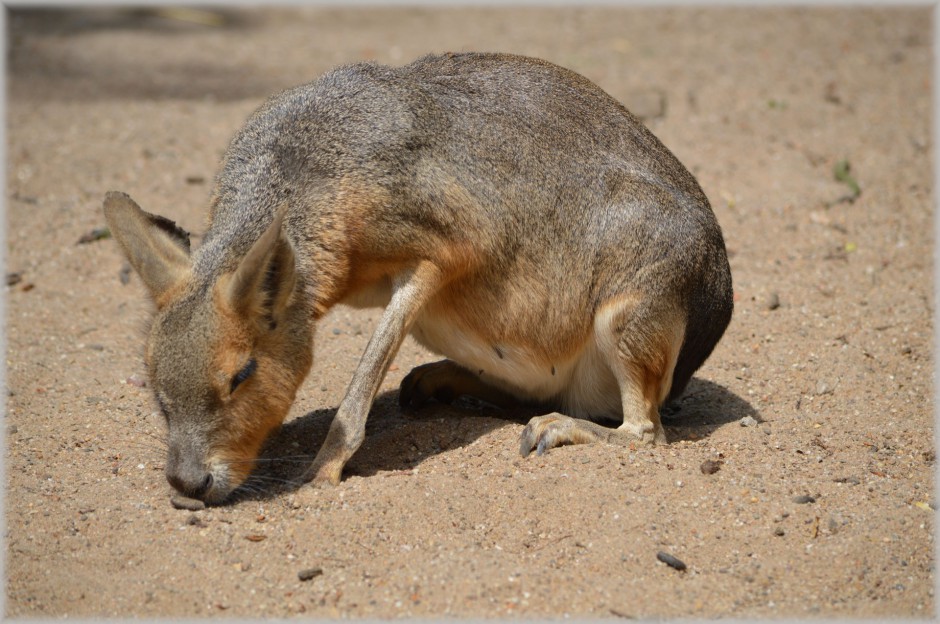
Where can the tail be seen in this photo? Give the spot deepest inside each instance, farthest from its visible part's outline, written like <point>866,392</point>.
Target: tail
<point>710,310</point>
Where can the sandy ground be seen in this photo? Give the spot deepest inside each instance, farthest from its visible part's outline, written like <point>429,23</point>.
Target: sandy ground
<point>823,506</point>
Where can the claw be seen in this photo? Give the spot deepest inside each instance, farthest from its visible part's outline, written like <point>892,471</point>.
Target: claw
<point>535,436</point>
<point>525,443</point>
<point>546,432</point>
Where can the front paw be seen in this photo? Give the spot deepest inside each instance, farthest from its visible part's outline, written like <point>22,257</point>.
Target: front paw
<point>325,474</point>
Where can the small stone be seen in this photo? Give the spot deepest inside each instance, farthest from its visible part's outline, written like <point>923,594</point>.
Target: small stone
<point>195,520</point>
<point>137,380</point>
<point>125,274</point>
<point>96,234</point>
<point>309,574</point>
<point>849,480</point>
<point>748,421</point>
<point>779,532</point>
<point>823,388</point>
<point>803,499</point>
<point>773,301</point>
<point>710,466</point>
<point>12,429</point>
<point>184,502</point>
<point>672,562</point>
<point>14,278</point>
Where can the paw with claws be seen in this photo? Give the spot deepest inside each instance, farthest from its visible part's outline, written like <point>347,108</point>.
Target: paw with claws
<point>546,432</point>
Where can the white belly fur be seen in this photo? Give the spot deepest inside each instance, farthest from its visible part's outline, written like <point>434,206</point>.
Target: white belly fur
<point>582,386</point>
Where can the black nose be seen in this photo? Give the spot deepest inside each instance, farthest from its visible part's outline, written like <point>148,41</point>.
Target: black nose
<point>194,484</point>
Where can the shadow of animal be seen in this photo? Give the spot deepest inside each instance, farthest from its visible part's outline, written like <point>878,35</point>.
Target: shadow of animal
<point>398,440</point>
<point>702,409</point>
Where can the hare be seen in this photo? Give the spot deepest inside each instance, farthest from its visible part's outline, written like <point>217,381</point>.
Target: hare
<point>504,211</point>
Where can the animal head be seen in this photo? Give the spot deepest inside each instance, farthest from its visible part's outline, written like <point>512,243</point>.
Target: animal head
<point>226,353</point>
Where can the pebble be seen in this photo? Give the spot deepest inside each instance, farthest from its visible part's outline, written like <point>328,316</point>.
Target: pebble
<point>137,380</point>
<point>309,574</point>
<point>823,388</point>
<point>710,466</point>
<point>748,421</point>
<point>195,520</point>
<point>671,561</point>
<point>94,235</point>
<point>779,532</point>
<point>184,502</point>
<point>803,499</point>
<point>773,301</point>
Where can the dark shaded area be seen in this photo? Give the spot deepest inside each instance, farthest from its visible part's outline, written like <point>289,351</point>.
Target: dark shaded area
<point>702,409</point>
<point>37,57</point>
<point>397,440</point>
<point>68,21</point>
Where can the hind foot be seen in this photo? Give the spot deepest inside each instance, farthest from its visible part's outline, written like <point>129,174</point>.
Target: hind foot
<point>444,381</point>
<point>546,432</point>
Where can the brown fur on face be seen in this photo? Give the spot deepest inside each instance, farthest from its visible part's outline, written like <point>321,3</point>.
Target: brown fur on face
<point>259,404</point>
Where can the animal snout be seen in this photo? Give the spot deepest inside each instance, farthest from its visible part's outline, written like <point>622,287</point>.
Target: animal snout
<point>191,486</point>
<point>188,476</point>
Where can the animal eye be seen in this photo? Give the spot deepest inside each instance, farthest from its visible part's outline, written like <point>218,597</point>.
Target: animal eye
<point>244,374</point>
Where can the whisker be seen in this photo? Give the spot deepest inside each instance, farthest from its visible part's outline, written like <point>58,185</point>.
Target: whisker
<point>273,460</point>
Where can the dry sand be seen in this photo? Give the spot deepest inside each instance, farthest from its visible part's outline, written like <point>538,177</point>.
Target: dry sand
<point>822,504</point>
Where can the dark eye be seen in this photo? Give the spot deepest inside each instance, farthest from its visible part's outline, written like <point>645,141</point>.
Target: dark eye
<point>244,374</point>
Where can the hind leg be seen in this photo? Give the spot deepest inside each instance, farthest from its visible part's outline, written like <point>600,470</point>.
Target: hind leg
<point>445,381</point>
<point>640,345</point>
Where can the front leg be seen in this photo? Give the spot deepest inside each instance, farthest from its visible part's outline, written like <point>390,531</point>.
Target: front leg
<point>411,290</point>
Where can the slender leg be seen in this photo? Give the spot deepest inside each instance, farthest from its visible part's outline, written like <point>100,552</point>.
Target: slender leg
<point>445,381</point>
<point>411,291</point>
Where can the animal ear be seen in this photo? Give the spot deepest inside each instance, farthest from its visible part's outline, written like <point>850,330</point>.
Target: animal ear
<point>156,247</point>
<point>265,278</point>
